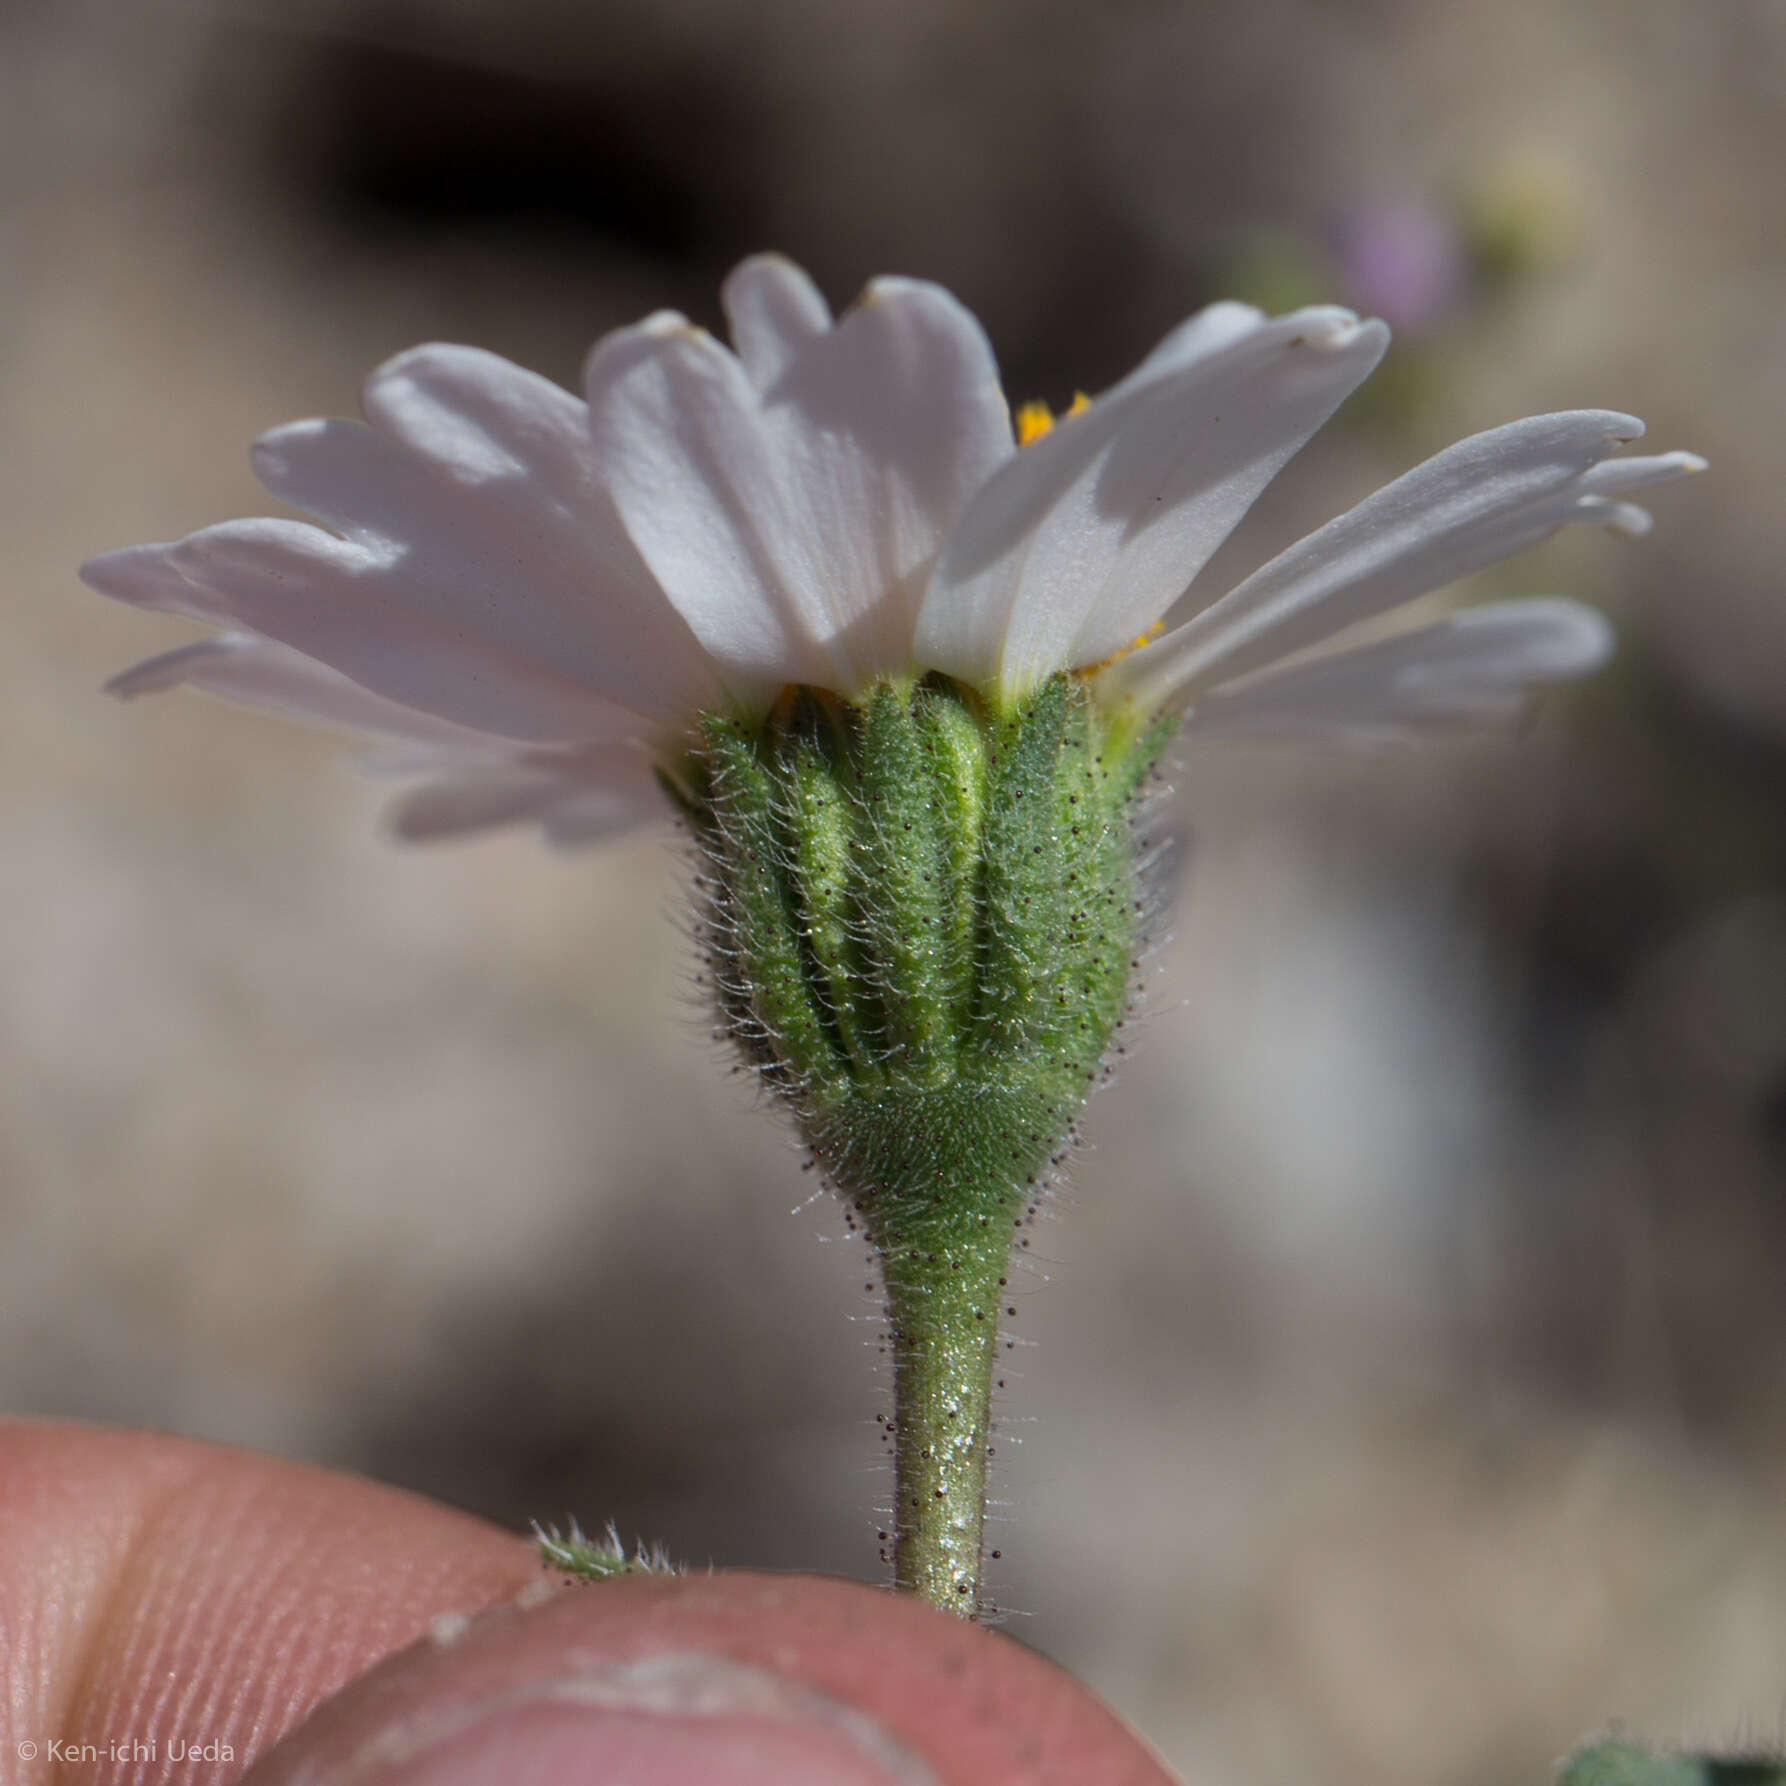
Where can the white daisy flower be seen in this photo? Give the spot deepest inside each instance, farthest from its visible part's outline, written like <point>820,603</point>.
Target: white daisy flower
<point>533,596</point>
<point>902,675</point>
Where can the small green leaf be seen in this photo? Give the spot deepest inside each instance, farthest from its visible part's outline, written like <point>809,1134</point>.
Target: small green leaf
<point>1624,1764</point>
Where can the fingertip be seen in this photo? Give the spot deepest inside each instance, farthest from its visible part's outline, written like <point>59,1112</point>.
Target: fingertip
<point>734,1676</point>
<point>157,1586</point>
<point>164,1591</point>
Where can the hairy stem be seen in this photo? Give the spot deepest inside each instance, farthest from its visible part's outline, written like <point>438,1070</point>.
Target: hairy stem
<point>944,1308</point>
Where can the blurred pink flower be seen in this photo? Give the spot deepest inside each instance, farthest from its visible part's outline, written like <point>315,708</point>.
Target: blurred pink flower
<point>1401,258</point>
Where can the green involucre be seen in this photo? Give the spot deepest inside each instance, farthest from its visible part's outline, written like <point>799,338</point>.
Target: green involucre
<point>916,896</point>
<point>920,920</point>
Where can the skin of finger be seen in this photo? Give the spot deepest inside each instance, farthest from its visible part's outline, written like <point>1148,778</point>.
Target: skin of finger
<point>156,1590</point>
<point>979,1709</point>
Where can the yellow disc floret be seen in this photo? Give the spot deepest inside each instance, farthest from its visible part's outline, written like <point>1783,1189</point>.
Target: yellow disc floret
<point>1035,418</point>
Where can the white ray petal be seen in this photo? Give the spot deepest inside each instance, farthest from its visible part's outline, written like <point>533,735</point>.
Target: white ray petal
<point>375,615</point>
<point>485,420</point>
<point>273,678</point>
<point>458,806</point>
<point>1628,518</point>
<point>1635,471</point>
<point>1476,667</point>
<point>774,313</point>
<point>473,780</point>
<point>1478,501</point>
<point>1089,535</point>
<point>501,560</point>
<point>593,816</point>
<point>573,809</point>
<point>794,525</point>
<point>675,416</point>
<point>1202,333</point>
<point>276,679</point>
<point>484,575</point>
<point>477,465</point>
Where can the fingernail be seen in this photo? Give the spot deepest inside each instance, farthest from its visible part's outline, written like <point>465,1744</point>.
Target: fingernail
<point>679,1719</point>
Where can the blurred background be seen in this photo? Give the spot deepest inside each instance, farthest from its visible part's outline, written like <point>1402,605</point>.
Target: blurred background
<point>1408,1388</point>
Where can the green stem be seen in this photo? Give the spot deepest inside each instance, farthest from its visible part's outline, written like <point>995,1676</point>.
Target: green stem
<point>944,1301</point>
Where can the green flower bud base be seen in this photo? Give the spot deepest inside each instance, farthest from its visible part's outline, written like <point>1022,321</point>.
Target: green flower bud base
<point>920,920</point>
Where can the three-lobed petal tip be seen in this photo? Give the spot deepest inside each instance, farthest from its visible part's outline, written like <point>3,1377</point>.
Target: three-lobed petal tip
<point>1469,506</point>
<point>532,592</point>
